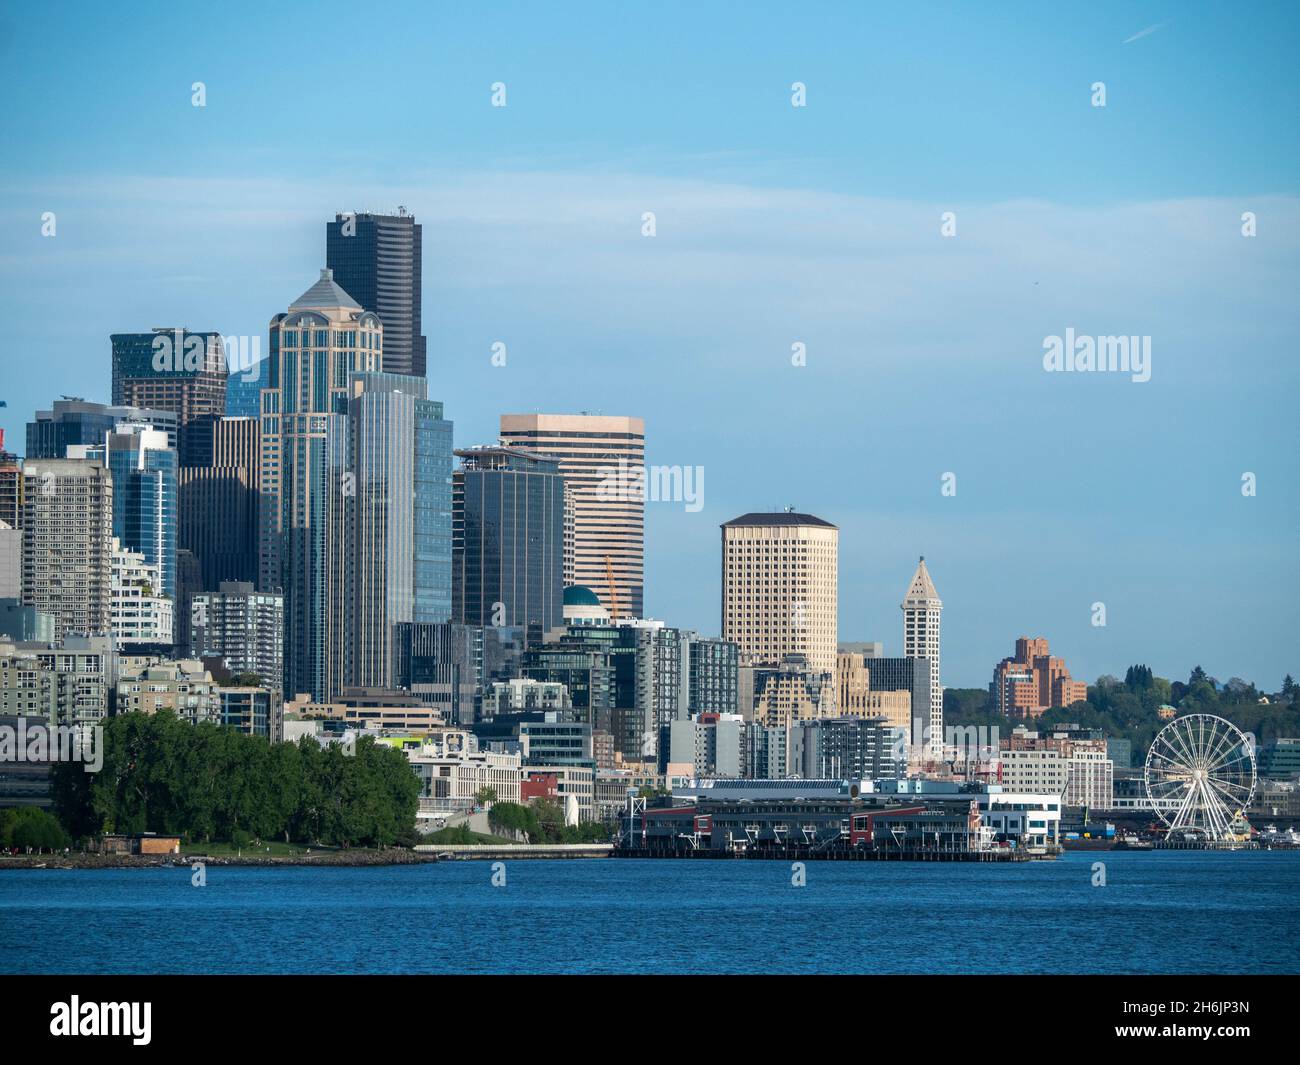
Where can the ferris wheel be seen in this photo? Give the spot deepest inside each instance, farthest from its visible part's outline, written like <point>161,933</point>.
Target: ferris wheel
<point>1200,774</point>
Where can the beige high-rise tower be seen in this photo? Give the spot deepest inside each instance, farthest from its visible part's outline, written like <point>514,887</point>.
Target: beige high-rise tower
<point>780,575</point>
<point>602,458</point>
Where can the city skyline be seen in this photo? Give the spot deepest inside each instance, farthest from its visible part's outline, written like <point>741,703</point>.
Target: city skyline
<point>1085,488</point>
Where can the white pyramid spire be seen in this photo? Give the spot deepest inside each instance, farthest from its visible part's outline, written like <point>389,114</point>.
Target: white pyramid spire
<point>922,589</point>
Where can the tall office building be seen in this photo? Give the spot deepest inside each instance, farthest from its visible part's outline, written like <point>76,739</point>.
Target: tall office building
<point>171,369</point>
<point>68,544</point>
<point>507,539</point>
<point>144,494</point>
<point>219,498</point>
<point>244,390</point>
<point>11,562</point>
<point>77,423</point>
<point>245,629</point>
<point>400,522</point>
<point>602,459</point>
<point>11,486</point>
<point>921,609</point>
<point>780,596</point>
<point>376,258</point>
<point>315,347</point>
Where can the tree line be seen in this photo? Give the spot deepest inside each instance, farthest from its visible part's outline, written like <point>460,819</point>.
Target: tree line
<point>208,783</point>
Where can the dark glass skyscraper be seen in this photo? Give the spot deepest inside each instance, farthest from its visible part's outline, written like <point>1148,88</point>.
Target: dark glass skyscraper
<point>170,369</point>
<point>376,260</point>
<point>75,422</point>
<point>507,539</point>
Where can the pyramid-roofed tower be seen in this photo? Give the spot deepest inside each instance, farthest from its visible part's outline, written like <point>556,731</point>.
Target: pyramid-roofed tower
<point>921,614</point>
<point>325,294</point>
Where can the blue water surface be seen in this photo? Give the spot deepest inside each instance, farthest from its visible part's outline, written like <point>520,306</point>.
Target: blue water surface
<point>1166,912</point>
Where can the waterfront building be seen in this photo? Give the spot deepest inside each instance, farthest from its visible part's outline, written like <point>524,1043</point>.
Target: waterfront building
<point>602,460</point>
<point>248,709</point>
<point>315,347</point>
<point>244,628</point>
<point>183,686</point>
<point>1032,680</point>
<point>219,498</point>
<point>68,543</point>
<point>1279,759</point>
<point>922,610</point>
<point>507,539</point>
<point>1038,769</point>
<point>77,423</point>
<point>780,577</point>
<point>852,748</point>
<point>449,665</point>
<point>453,770</point>
<point>63,684</point>
<point>378,260</point>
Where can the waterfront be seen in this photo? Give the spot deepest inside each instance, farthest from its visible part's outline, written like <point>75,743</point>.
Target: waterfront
<point>1170,912</point>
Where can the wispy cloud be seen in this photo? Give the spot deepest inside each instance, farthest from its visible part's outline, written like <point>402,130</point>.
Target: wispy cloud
<point>1146,32</point>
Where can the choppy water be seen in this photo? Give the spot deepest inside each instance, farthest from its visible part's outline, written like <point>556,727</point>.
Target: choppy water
<point>1177,912</point>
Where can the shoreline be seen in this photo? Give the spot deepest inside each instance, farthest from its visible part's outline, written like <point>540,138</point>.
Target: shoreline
<point>341,859</point>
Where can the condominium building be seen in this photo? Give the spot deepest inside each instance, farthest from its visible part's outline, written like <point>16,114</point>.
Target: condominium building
<point>922,608</point>
<point>307,488</point>
<point>183,687</point>
<point>144,493</point>
<point>68,543</point>
<point>602,459</point>
<point>64,684</point>
<point>245,629</point>
<point>141,613</point>
<point>780,576</point>
<point>1032,681</point>
<point>11,561</point>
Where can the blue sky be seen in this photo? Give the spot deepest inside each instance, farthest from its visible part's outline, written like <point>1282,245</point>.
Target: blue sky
<point>775,225</point>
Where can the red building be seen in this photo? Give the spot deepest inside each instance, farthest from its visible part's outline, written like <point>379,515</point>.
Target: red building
<point>1032,681</point>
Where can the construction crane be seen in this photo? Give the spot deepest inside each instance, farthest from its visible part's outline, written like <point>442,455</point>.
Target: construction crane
<point>613,589</point>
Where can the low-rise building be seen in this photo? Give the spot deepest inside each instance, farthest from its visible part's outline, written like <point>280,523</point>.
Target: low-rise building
<point>183,687</point>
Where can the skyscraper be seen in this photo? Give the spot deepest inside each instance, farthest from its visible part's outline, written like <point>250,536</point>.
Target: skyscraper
<point>602,459</point>
<point>307,489</point>
<point>68,543</point>
<point>218,501</point>
<point>171,369</point>
<point>921,608</point>
<point>507,539</point>
<point>780,591</point>
<point>400,522</point>
<point>376,258</point>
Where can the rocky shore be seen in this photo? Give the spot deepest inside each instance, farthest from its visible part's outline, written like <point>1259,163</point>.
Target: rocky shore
<point>391,856</point>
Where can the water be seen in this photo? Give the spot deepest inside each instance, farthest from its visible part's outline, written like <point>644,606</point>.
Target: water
<point>1175,912</point>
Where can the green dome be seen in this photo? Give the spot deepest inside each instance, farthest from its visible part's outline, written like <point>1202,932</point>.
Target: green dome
<point>577,595</point>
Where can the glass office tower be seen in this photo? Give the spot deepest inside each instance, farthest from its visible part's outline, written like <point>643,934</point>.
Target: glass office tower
<point>507,539</point>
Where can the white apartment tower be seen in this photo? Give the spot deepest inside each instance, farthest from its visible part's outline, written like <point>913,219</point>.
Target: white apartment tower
<point>780,581</point>
<point>921,608</point>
